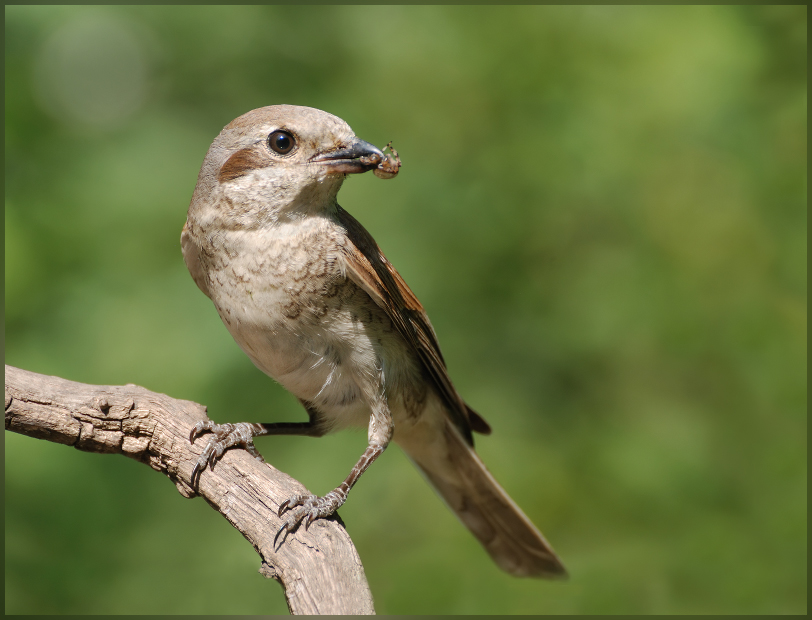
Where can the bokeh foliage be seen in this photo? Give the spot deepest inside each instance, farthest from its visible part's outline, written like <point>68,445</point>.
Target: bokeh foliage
<point>603,210</point>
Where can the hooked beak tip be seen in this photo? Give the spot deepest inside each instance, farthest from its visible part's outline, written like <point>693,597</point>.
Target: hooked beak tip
<point>359,156</point>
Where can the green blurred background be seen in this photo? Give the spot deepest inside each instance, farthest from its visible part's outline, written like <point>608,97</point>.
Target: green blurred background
<point>602,209</point>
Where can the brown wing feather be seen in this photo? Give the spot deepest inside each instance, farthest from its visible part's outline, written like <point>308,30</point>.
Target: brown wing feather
<point>369,268</point>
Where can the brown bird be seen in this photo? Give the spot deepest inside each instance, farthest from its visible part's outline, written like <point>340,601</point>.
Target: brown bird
<point>311,299</point>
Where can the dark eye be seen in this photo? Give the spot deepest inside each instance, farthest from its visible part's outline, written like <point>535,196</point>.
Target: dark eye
<point>281,142</point>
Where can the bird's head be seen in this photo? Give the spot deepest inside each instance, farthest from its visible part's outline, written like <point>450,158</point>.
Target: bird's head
<point>279,162</point>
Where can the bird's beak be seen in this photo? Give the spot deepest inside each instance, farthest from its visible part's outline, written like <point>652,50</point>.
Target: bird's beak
<point>358,157</point>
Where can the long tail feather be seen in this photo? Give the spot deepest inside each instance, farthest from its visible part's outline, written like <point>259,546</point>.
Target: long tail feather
<point>473,494</point>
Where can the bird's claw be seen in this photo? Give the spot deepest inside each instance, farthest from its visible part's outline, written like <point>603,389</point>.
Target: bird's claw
<point>197,429</point>
<point>306,509</point>
<point>224,436</point>
<point>213,451</point>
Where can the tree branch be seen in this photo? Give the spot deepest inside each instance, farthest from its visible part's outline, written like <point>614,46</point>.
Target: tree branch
<point>319,569</point>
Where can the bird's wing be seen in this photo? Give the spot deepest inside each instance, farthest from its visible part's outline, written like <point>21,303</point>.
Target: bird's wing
<point>369,269</point>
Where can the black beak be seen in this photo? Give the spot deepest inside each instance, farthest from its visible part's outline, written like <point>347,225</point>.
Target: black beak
<point>359,156</point>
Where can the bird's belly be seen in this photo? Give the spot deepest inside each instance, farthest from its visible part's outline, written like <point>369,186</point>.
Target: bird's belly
<point>322,372</point>
<point>328,350</point>
<point>305,324</point>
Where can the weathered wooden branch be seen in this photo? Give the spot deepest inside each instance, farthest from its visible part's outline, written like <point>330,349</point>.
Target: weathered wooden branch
<point>319,569</point>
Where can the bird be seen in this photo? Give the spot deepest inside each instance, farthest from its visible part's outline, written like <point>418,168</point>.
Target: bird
<point>309,296</point>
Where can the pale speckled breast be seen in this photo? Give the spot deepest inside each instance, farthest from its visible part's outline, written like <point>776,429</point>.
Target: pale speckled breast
<point>286,300</point>
<point>273,275</point>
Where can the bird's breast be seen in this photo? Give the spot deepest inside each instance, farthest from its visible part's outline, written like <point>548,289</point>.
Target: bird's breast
<point>286,300</point>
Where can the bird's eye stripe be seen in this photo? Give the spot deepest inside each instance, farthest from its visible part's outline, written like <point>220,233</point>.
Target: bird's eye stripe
<point>242,162</point>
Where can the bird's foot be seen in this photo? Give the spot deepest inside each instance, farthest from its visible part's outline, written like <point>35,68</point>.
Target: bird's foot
<point>224,437</point>
<point>308,508</point>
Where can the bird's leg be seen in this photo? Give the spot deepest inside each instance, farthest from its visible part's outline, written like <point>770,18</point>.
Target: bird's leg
<point>312,507</point>
<point>227,435</point>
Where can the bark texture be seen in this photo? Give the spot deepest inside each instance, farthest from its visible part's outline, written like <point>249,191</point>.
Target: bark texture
<point>319,569</point>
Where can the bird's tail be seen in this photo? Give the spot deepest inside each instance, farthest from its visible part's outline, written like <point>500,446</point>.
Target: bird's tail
<point>472,493</point>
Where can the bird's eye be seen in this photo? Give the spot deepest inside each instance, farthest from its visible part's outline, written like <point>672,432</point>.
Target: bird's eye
<point>281,142</point>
